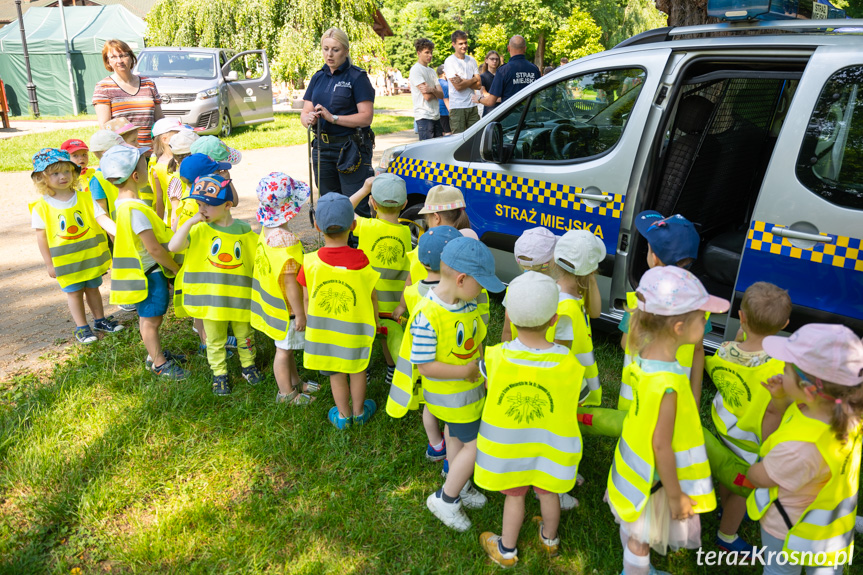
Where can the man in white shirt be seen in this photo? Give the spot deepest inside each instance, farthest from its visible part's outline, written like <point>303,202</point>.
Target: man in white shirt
<point>463,75</point>
<point>425,91</point>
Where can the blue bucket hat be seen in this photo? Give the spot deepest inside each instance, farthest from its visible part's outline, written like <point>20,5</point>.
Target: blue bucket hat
<point>47,156</point>
<point>472,257</point>
<point>432,243</point>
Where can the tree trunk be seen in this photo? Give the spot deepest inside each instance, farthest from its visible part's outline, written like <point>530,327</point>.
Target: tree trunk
<point>540,52</point>
<point>685,12</point>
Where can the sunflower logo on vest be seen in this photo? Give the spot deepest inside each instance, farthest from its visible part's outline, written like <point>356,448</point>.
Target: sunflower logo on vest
<point>466,341</point>
<point>731,385</point>
<point>262,262</point>
<point>230,259</point>
<point>526,401</point>
<point>73,229</point>
<point>388,250</point>
<point>335,297</point>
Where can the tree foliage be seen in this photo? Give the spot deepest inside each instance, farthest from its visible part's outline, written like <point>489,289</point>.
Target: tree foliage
<point>289,30</point>
<point>577,37</point>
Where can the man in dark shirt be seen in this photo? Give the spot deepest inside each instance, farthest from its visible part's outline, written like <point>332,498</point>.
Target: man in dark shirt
<point>514,75</point>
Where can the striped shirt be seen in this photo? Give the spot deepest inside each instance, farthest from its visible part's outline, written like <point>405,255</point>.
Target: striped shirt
<point>424,336</point>
<point>138,108</point>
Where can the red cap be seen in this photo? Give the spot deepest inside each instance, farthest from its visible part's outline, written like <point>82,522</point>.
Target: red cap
<point>74,145</point>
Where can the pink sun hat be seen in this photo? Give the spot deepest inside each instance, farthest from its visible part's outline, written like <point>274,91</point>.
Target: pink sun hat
<point>828,351</point>
<point>670,290</point>
<point>281,198</point>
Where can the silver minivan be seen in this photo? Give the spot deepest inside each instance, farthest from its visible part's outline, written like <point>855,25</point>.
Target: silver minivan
<point>210,89</point>
<point>757,139</point>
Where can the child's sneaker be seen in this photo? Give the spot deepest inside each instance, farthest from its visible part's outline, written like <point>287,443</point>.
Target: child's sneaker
<point>231,343</point>
<point>337,420</point>
<point>85,335</point>
<point>128,307</point>
<point>433,454</point>
<point>252,375</point>
<point>445,470</point>
<point>858,526</point>
<point>451,514</point>
<point>391,371</point>
<point>471,498</point>
<point>170,370</point>
<point>107,324</point>
<point>550,546</point>
<point>491,545</point>
<point>739,546</point>
<point>220,385</point>
<point>202,352</point>
<point>369,408</point>
<point>175,357</point>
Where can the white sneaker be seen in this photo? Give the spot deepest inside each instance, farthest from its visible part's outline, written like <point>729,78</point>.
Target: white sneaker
<point>858,526</point>
<point>451,514</point>
<point>471,498</point>
<point>579,479</point>
<point>567,502</point>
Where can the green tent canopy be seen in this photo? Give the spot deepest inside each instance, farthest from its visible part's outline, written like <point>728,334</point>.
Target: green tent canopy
<point>88,28</point>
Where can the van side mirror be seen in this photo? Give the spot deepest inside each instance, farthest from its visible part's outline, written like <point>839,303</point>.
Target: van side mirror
<point>232,76</point>
<point>491,147</point>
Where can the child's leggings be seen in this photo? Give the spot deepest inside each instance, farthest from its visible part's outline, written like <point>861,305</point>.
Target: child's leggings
<point>217,337</point>
<point>774,544</point>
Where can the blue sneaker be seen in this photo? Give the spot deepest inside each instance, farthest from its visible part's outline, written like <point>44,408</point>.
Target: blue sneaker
<point>445,470</point>
<point>369,408</point>
<point>433,454</point>
<point>337,420</point>
<point>231,343</point>
<point>737,546</point>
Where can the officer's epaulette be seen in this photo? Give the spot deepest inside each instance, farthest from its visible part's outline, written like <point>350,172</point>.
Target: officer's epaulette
<point>358,69</point>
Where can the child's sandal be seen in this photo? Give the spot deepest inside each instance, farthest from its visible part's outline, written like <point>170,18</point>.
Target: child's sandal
<point>311,387</point>
<point>286,397</point>
<point>302,399</point>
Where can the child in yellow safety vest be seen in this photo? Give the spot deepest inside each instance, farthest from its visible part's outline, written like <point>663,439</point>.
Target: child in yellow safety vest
<point>739,409</point>
<point>129,133</point>
<point>386,242</point>
<point>73,247</point>
<point>182,208</point>
<point>80,156</point>
<point>163,130</point>
<point>104,192</point>
<point>188,142</point>
<point>405,392</point>
<point>444,342</point>
<point>529,435</point>
<point>277,298</point>
<point>142,263</point>
<point>216,278</point>
<point>660,478</point>
<point>671,241</point>
<point>808,476</point>
<point>533,251</point>
<point>341,312</point>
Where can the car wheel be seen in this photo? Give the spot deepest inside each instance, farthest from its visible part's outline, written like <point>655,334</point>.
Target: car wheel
<point>225,129</point>
<point>412,218</point>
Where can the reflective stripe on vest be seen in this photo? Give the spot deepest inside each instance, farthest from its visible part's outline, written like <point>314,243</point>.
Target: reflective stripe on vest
<point>128,281</point>
<point>528,434</point>
<point>270,310</point>
<point>77,244</point>
<point>406,387</point>
<point>340,324</point>
<point>386,245</point>
<point>729,424</point>
<point>827,524</point>
<point>634,466</point>
<point>216,278</point>
<point>582,346</point>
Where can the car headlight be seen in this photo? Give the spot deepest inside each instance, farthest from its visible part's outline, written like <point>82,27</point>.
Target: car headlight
<point>206,94</point>
<point>388,156</point>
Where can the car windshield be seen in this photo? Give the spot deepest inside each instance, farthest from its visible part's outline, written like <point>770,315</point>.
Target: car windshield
<point>198,65</point>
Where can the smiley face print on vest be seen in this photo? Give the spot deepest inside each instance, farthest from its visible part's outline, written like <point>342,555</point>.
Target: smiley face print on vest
<point>229,259</point>
<point>465,339</point>
<point>72,230</point>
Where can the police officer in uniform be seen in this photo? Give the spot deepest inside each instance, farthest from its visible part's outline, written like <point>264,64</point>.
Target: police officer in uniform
<point>341,98</point>
<point>512,76</point>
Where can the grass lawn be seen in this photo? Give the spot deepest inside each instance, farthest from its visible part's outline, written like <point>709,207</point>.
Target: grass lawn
<point>44,118</point>
<point>16,153</point>
<point>398,102</point>
<point>104,468</point>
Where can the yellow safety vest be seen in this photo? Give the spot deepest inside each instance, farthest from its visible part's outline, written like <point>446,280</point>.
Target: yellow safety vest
<point>128,278</point>
<point>111,193</point>
<point>159,171</point>
<point>270,313</point>
<point>340,323</point>
<point>78,245</point>
<point>529,433</point>
<point>188,206</point>
<point>84,178</point>
<point>827,525</point>
<point>386,245</point>
<point>418,271</point>
<point>459,337</point>
<point>684,356</point>
<point>738,409</point>
<point>216,277</point>
<point>634,466</point>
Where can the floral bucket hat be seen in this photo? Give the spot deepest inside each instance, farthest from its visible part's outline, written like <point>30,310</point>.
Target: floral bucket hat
<point>47,156</point>
<point>281,198</point>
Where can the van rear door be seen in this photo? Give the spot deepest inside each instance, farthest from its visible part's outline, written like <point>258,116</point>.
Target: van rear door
<point>250,96</point>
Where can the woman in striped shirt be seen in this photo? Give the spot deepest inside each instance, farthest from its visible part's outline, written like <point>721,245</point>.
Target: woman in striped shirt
<point>125,94</point>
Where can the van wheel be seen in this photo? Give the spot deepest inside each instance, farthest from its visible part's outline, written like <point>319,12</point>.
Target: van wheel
<point>413,219</point>
<point>225,128</point>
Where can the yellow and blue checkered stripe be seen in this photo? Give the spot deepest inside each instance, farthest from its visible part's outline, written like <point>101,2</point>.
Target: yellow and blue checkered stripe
<point>545,193</point>
<point>842,252</point>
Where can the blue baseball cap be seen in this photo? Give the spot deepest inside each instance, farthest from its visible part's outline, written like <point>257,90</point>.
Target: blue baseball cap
<point>212,190</point>
<point>198,165</point>
<point>120,161</point>
<point>472,257</point>
<point>334,211</point>
<point>432,243</point>
<point>672,239</point>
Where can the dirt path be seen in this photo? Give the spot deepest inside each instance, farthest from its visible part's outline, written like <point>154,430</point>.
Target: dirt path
<point>37,328</point>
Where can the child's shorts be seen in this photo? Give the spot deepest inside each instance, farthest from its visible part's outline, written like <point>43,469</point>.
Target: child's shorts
<point>464,432</point>
<point>156,303</point>
<point>89,284</point>
<point>522,491</point>
<point>293,340</point>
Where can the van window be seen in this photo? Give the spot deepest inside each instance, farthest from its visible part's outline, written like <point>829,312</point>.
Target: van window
<point>830,163</point>
<point>177,64</point>
<point>576,118</point>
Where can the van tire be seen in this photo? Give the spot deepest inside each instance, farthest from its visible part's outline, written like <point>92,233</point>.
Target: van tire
<point>225,125</point>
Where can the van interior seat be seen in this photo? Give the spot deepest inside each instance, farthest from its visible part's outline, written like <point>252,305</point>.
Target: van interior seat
<point>721,256</point>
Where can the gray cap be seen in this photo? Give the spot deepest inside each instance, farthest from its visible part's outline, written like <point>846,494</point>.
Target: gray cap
<point>389,190</point>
